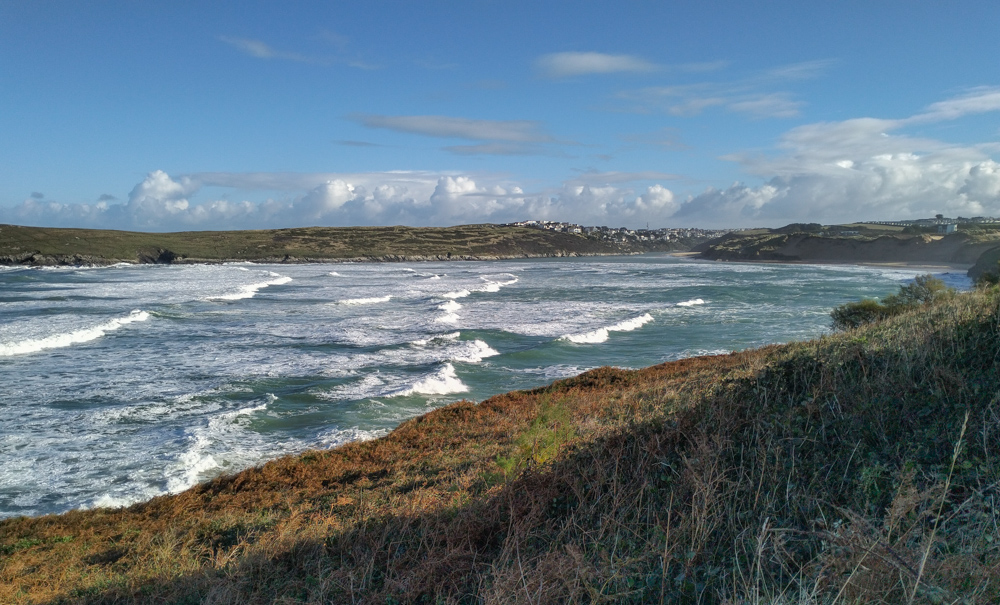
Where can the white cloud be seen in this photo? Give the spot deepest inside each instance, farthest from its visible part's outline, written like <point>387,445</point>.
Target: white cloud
<point>977,100</point>
<point>599,178</point>
<point>750,95</point>
<point>569,64</point>
<point>776,105</point>
<point>162,203</point>
<point>458,128</point>
<point>806,70</point>
<point>859,169</point>
<point>261,50</point>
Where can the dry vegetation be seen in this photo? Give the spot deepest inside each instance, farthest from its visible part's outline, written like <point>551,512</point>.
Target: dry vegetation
<point>862,467</point>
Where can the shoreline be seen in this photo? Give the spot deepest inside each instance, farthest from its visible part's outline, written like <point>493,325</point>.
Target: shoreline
<point>930,265</point>
<point>50,261</point>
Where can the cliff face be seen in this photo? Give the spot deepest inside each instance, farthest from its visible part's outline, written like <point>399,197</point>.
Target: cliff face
<point>986,263</point>
<point>956,248</point>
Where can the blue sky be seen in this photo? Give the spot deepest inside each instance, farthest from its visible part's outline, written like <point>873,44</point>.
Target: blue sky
<point>191,115</point>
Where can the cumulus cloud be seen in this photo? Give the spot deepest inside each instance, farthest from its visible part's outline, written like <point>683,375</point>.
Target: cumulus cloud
<point>857,169</point>
<point>569,64</point>
<point>862,169</point>
<point>163,203</point>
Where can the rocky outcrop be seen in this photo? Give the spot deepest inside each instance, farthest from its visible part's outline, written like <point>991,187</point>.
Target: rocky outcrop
<point>36,259</point>
<point>157,256</point>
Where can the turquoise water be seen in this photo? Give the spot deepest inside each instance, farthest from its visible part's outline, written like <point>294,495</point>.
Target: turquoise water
<point>121,383</point>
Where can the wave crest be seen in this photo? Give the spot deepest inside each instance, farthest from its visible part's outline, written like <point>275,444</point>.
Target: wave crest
<point>601,334</point>
<point>70,338</point>
<point>443,382</point>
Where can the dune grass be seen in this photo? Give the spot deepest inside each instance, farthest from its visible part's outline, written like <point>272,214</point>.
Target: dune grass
<point>862,467</point>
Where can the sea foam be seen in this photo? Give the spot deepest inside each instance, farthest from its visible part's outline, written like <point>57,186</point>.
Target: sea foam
<point>691,303</point>
<point>450,316</point>
<point>443,382</point>
<point>70,338</point>
<point>474,352</point>
<point>250,290</point>
<point>365,301</point>
<point>601,334</point>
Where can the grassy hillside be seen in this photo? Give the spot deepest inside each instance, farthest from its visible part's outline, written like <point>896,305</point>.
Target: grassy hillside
<point>50,246</point>
<point>851,243</point>
<point>861,467</point>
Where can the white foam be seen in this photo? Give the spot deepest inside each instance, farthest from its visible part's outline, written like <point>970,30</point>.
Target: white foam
<point>691,303</point>
<point>109,501</point>
<point>443,382</point>
<point>194,463</point>
<point>365,301</point>
<point>451,306</point>
<point>456,294</point>
<point>334,274</point>
<point>448,318</point>
<point>338,437</point>
<point>601,334</point>
<point>64,340</point>
<point>424,342</point>
<point>249,291</point>
<point>474,352</point>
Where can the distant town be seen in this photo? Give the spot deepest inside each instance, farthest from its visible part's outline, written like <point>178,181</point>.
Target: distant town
<point>625,235</point>
<point>941,223</point>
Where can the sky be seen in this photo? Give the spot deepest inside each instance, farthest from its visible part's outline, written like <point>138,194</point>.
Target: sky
<point>167,116</point>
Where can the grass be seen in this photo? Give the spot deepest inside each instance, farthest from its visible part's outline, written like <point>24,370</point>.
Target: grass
<point>37,245</point>
<point>862,467</point>
<point>876,244</point>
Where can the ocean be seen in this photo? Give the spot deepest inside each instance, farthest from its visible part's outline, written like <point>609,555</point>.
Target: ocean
<point>121,383</point>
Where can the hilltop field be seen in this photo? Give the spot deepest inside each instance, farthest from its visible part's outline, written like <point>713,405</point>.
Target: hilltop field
<point>51,246</point>
<point>856,468</point>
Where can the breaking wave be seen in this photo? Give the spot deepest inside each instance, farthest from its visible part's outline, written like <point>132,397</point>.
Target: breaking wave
<point>250,290</point>
<point>691,303</point>
<point>601,334</point>
<point>70,338</point>
<point>443,382</point>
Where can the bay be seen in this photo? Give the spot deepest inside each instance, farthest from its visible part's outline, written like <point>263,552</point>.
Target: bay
<point>118,384</point>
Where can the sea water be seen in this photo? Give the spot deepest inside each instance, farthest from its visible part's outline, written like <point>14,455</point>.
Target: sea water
<point>118,384</point>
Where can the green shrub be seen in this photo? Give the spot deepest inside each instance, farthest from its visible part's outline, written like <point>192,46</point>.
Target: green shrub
<point>923,290</point>
<point>854,314</point>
